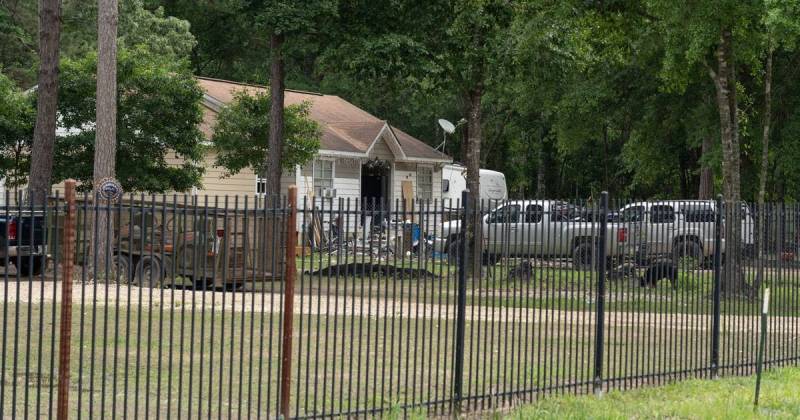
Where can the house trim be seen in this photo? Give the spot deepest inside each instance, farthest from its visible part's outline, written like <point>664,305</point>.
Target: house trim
<point>394,144</point>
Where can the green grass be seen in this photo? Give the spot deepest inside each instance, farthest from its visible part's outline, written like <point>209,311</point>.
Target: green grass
<point>550,287</point>
<point>728,398</point>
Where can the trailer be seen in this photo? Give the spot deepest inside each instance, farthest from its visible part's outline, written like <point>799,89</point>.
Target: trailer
<point>191,246</point>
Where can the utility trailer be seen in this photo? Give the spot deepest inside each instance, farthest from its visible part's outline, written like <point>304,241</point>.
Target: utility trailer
<point>194,246</point>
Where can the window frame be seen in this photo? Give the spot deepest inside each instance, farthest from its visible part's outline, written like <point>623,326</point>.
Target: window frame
<point>429,185</point>
<point>640,211</point>
<point>314,165</point>
<point>673,215</point>
<point>537,212</point>
<point>493,215</point>
<point>261,181</point>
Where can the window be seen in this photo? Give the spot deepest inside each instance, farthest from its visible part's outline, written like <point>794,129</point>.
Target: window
<point>507,214</point>
<point>533,213</point>
<point>424,182</point>
<point>662,214</point>
<point>323,177</point>
<point>261,185</point>
<point>445,185</point>
<point>699,213</point>
<point>633,214</point>
<point>564,212</point>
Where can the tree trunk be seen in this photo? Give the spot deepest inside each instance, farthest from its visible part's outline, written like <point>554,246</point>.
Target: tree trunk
<point>473,159</point>
<point>44,134</point>
<point>762,187</point>
<point>725,84</point>
<point>706,191</point>
<point>106,128</point>
<point>540,168</point>
<point>276,87</point>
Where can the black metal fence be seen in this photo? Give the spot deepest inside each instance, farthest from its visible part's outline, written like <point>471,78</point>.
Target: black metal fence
<point>393,309</point>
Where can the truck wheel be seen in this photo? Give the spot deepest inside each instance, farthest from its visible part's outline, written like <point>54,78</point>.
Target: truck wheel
<point>582,257</point>
<point>687,255</point>
<point>27,266</point>
<point>149,272</point>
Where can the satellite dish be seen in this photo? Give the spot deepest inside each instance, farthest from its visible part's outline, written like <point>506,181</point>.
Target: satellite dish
<point>447,126</point>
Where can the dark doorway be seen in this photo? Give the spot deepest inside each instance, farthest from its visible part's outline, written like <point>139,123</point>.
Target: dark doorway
<point>375,188</point>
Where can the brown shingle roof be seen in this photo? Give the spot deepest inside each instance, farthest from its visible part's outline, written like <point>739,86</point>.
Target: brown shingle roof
<point>345,127</point>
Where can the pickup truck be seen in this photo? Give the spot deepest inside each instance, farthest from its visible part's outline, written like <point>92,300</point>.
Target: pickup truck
<point>538,228</point>
<point>22,241</point>
<point>680,229</point>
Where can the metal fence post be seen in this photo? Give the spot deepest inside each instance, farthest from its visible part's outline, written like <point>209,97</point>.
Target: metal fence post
<point>288,303</point>
<point>601,294</point>
<point>715,322</point>
<point>458,382</point>
<point>65,324</point>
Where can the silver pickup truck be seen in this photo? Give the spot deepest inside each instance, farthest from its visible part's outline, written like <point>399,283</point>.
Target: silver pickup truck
<point>680,228</point>
<point>541,229</point>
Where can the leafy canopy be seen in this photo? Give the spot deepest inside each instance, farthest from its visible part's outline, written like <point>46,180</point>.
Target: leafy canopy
<point>159,115</point>
<point>241,134</point>
<point>17,116</point>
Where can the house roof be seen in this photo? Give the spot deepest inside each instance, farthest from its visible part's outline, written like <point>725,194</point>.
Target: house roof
<point>346,128</point>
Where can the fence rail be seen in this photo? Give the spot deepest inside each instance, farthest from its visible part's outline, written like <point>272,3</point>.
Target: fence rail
<point>262,307</point>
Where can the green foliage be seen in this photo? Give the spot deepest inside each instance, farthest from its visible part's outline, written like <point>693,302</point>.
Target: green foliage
<point>139,28</point>
<point>17,116</point>
<point>158,115</point>
<point>242,129</point>
<point>18,40</point>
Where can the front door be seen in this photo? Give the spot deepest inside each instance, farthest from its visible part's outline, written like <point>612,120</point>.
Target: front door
<point>375,190</point>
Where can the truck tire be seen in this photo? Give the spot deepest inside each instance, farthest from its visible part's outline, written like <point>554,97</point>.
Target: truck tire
<point>149,272</point>
<point>687,254</point>
<point>29,266</point>
<point>583,256</point>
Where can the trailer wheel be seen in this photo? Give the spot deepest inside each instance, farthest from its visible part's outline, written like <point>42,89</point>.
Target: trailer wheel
<point>122,266</point>
<point>149,272</point>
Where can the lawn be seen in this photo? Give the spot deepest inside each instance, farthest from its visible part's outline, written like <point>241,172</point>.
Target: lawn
<point>728,398</point>
<point>150,352</point>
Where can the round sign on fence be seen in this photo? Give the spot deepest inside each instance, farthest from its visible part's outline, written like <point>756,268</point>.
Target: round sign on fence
<point>109,189</point>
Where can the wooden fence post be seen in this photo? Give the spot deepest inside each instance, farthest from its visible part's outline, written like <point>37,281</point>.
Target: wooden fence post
<point>288,303</point>
<point>65,323</point>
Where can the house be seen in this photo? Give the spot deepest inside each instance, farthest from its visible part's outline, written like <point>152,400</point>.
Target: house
<point>361,156</point>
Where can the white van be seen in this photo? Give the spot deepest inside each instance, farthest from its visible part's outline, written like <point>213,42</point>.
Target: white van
<point>454,182</point>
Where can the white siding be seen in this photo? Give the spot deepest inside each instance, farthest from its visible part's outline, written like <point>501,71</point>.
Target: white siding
<point>381,151</point>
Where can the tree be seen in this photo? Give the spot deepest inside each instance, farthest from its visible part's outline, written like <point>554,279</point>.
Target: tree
<point>240,135</point>
<point>17,116</point>
<point>105,144</point>
<point>45,130</point>
<point>284,19</point>
<point>159,109</point>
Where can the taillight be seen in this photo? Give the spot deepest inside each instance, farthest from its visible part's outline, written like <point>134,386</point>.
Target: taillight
<point>12,231</point>
<point>622,234</point>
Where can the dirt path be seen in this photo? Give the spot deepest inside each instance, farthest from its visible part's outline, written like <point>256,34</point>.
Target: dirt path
<point>375,307</point>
